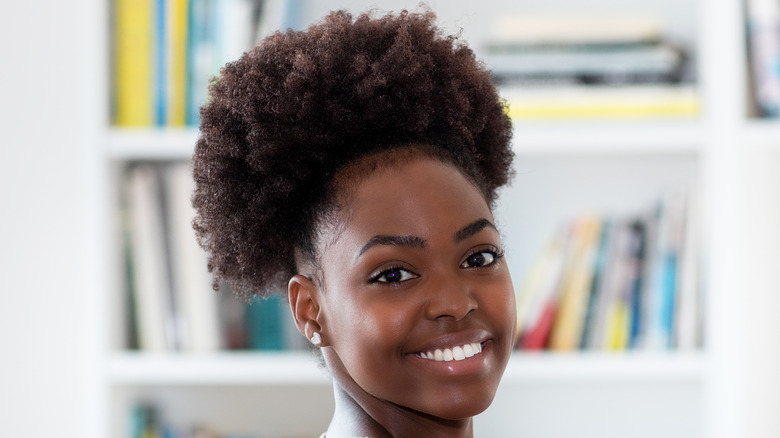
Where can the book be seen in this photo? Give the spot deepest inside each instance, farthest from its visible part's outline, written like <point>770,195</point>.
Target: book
<point>568,325</point>
<point>201,53</point>
<point>167,51</point>
<point>619,283</point>
<point>562,28</point>
<point>160,63</point>
<point>527,293</point>
<point>265,324</point>
<point>177,35</point>
<point>196,300</point>
<point>594,294</point>
<point>657,61</point>
<point>617,307</point>
<point>665,275</point>
<point>763,30</point>
<point>152,287</point>
<point>687,324</point>
<point>628,101</point>
<point>133,37</point>
<point>540,316</point>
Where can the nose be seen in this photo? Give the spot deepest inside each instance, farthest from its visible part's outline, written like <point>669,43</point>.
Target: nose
<point>450,299</point>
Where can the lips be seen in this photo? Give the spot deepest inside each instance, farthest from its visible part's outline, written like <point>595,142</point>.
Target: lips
<point>459,352</point>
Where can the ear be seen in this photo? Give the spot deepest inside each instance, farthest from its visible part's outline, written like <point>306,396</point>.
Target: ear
<point>305,307</point>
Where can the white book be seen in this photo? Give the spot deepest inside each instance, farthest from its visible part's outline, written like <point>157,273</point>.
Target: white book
<point>688,323</point>
<point>196,301</point>
<point>233,28</point>
<point>152,287</point>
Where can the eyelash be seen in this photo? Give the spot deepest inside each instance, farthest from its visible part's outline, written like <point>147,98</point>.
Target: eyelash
<point>376,277</point>
<point>494,252</point>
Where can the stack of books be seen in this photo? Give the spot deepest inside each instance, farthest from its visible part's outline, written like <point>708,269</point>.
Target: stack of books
<point>616,284</point>
<point>590,67</point>
<point>763,31</point>
<point>166,52</point>
<point>171,305</point>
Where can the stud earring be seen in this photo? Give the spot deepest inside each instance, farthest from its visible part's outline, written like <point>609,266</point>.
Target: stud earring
<point>316,339</point>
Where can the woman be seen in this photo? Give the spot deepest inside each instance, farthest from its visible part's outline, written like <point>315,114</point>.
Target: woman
<point>354,165</point>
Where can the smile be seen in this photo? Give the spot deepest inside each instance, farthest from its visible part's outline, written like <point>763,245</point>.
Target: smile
<point>454,353</point>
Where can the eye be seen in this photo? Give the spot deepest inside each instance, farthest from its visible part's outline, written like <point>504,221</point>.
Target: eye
<point>393,275</point>
<point>481,259</point>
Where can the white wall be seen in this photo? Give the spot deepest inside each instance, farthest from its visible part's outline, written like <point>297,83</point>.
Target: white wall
<point>43,219</point>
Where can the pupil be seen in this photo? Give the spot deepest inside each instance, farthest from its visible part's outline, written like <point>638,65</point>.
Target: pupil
<point>478,259</point>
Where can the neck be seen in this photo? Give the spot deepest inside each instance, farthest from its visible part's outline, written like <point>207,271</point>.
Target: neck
<point>358,414</point>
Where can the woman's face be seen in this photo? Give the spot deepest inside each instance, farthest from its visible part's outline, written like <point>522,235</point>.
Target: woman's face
<point>414,281</point>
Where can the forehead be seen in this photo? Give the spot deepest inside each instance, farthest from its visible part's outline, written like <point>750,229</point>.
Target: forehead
<point>423,197</point>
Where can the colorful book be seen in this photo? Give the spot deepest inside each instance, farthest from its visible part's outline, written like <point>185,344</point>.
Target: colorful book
<point>763,28</point>
<point>538,322</point>
<point>599,269</point>
<point>568,327</point>
<point>133,68</point>
<point>666,274</point>
<point>176,50</point>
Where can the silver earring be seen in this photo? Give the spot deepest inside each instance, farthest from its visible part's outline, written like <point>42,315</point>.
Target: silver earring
<point>316,339</point>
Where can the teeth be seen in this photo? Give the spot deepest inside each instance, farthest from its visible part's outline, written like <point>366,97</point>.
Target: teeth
<point>454,353</point>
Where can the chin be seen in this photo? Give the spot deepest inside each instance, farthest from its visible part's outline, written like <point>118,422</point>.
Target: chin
<point>460,409</point>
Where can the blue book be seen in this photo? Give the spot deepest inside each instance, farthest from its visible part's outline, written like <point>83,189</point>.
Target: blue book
<point>160,63</point>
<point>263,319</point>
<point>636,299</point>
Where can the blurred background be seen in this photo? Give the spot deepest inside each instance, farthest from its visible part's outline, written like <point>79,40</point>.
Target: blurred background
<point>641,227</point>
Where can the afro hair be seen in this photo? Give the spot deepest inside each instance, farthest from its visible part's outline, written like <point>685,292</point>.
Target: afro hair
<point>284,118</point>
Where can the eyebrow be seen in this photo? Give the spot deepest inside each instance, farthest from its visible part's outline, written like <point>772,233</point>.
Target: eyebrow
<point>420,243</point>
<point>472,229</point>
<point>383,239</point>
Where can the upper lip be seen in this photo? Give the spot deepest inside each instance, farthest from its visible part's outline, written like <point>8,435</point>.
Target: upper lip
<point>450,340</point>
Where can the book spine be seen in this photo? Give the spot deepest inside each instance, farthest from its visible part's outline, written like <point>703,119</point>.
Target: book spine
<point>177,19</point>
<point>149,259</point>
<point>264,323</point>
<point>196,302</point>
<point>133,69</point>
<point>160,63</point>
<point>763,25</point>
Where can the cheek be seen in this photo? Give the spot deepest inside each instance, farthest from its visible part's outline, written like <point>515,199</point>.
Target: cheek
<point>370,329</point>
<point>499,301</point>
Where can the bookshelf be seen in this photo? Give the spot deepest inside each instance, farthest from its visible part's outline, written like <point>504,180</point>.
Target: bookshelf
<point>615,165</point>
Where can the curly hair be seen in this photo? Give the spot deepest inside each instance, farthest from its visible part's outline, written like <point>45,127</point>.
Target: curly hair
<point>282,120</point>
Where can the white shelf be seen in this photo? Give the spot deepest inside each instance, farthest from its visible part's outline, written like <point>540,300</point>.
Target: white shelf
<point>151,143</point>
<point>594,367</point>
<point>762,132</point>
<point>542,138</point>
<point>239,368</point>
<point>299,368</point>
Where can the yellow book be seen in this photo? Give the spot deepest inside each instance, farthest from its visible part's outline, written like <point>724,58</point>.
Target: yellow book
<point>177,61</point>
<point>573,102</point>
<point>617,327</point>
<point>533,283</point>
<point>133,69</point>
<point>569,321</point>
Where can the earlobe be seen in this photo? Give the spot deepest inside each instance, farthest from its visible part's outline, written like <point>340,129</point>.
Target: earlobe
<point>304,304</point>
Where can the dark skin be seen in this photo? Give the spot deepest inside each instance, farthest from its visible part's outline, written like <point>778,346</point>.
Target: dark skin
<point>413,264</point>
